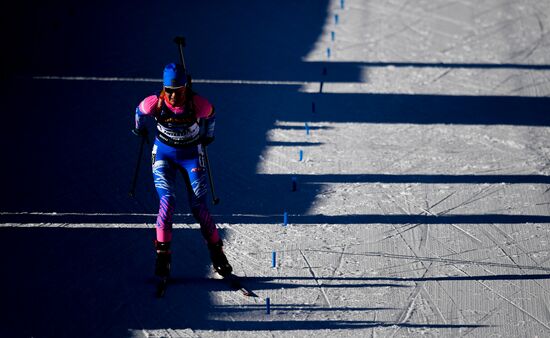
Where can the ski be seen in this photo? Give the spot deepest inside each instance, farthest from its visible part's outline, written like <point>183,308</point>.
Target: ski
<point>234,282</point>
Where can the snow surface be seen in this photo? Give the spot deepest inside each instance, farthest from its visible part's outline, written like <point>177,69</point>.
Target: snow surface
<point>423,195</point>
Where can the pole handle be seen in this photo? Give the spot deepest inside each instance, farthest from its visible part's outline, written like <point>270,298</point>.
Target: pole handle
<point>180,41</point>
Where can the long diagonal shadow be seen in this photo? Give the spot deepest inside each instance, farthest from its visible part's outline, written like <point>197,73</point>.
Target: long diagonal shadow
<point>106,218</point>
<point>331,325</point>
<point>279,281</point>
<point>418,178</point>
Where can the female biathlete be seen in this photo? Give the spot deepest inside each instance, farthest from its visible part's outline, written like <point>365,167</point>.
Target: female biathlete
<point>185,124</point>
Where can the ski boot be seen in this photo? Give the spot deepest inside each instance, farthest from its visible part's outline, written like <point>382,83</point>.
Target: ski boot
<point>219,261</point>
<point>164,258</point>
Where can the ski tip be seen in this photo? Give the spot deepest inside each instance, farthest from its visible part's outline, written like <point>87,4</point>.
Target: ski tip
<point>249,293</point>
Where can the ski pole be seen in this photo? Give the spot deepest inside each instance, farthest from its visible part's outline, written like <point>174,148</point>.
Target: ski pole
<point>132,191</point>
<point>215,199</point>
<point>180,41</point>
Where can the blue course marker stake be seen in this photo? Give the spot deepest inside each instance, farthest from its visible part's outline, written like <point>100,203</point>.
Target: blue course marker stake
<point>267,305</point>
<point>285,219</point>
<point>301,155</point>
<point>273,259</point>
<point>328,52</point>
<point>307,128</point>
<point>332,35</point>
<point>342,4</point>
<point>336,19</point>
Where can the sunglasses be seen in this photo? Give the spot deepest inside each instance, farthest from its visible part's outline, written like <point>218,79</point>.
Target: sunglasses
<point>172,90</point>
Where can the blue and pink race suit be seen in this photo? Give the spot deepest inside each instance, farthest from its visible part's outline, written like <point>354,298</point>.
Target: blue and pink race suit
<point>177,148</point>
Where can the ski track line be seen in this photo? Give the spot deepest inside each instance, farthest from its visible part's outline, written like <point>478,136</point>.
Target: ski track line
<point>441,260</point>
<point>510,283</point>
<point>396,230</point>
<point>424,292</point>
<point>546,310</point>
<point>419,14</point>
<point>508,300</point>
<point>528,86</point>
<point>513,242</point>
<point>517,287</point>
<point>407,311</point>
<point>424,210</point>
<point>424,229</point>
<point>473,198</point>
<point>423,236</point>
<point>468,235</point>
<point>405,314</point>
<point>537,43</point>
<point>397,204</point>
<point>509,256</point>
<point>485,34</point>
<point>445,290</point>
<point>432,304</point>
<point>399,233</point>
<point>442,75</point>
<point>340,260</point>
<point>316,279</point>
<point>373,334</point>
<point>545,260</point>
<point>488,315</point>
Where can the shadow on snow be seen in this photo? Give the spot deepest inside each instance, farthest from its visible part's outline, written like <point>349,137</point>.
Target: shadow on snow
<point>90,282</point>
<point>71,151</point>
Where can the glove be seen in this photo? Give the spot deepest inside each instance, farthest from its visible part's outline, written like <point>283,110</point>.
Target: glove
<point>206,140</point>
<point>140,132</point>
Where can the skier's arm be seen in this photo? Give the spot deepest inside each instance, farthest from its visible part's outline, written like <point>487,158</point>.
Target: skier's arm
<point>147,107</point>
<point>207,117</point>
<point>209,125</point>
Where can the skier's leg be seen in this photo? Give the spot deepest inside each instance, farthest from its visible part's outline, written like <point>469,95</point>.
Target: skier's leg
<point>196,183</point>
<point>164,174</point>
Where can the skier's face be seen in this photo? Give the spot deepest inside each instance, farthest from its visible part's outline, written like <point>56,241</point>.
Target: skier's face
<point>175,96</point>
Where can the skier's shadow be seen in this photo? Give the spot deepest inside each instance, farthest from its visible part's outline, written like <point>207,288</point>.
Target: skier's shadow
<point>86,282</point>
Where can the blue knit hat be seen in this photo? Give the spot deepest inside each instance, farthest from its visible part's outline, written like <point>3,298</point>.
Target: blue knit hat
<point>174,75</point>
